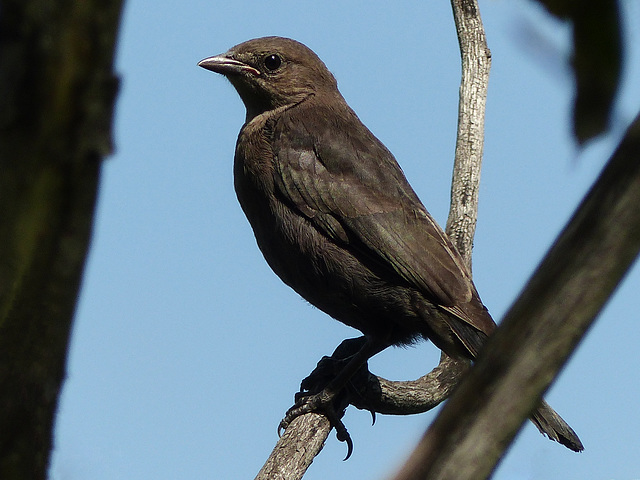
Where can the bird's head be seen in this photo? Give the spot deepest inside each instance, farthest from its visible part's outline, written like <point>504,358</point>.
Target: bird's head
<point>272,72</point>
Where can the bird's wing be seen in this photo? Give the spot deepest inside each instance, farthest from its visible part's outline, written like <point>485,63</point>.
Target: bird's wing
<point>338,174</point>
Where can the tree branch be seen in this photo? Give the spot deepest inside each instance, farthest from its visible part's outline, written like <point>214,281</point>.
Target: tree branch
<point>465,184</point>
<point>542,328</point>
<point>56,106</point>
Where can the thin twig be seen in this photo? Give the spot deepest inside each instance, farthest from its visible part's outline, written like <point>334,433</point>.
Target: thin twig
<point>476,63</point>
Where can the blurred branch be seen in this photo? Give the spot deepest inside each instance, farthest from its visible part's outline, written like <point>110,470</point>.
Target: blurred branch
<point>56,106</point>
<point>542,328</point>
<point>305,437</point>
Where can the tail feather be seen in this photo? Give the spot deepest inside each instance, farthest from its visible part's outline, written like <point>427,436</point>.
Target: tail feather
<point>553,426</point>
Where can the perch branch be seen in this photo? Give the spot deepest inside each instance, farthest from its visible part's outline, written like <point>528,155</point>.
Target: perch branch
<point>541,329</point>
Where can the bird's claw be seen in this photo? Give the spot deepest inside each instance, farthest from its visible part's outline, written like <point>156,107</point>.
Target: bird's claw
<point>321,403</point>
<point>343,435</point>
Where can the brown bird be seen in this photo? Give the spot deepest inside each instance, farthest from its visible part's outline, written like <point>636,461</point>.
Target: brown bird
<point>337,220</point>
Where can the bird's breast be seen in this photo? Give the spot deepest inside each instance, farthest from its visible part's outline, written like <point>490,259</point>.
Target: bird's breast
<point>254,183</point>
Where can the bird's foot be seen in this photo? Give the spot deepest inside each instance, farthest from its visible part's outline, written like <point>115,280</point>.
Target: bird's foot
<point>324,403</point>
<point>328,368</point>
<point>330,388</point>
<point>321,376</point>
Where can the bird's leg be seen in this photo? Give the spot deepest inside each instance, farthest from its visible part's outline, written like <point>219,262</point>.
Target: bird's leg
<point>325,400</point>
<point>329,366</point>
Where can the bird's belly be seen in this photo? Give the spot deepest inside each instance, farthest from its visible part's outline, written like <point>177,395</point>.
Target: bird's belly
<point>328,275</point>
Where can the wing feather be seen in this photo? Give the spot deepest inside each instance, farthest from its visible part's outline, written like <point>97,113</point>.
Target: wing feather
<point>350,186</point>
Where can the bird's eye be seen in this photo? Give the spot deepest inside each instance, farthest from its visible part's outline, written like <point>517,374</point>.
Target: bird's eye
<point>272,62</point>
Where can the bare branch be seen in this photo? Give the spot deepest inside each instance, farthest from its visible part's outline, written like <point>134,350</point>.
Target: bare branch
<point>296,449</point>
<point>542,328</point>
<point>410,397</point>
<point>305,437</point>
<point>57,99</point>
<point>476,63</point>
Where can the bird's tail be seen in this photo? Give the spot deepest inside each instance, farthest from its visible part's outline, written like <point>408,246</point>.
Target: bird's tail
<point>553,426</point>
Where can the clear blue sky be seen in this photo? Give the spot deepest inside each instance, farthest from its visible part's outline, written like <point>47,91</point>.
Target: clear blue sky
<point>187,350</point>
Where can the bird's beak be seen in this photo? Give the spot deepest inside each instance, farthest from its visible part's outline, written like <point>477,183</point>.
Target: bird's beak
<point>226,65</point>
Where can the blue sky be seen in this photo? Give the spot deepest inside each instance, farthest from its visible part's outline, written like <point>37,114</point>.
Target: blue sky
<point>187,350</point>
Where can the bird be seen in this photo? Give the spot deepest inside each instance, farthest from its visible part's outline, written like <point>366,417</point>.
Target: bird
<point>337,221</point>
